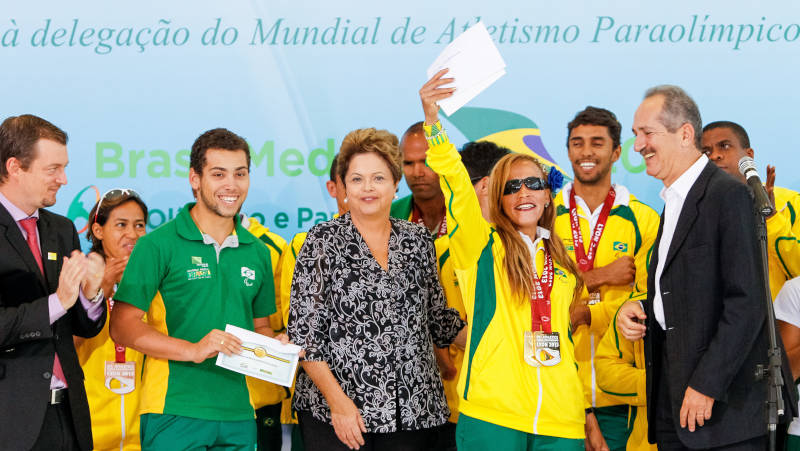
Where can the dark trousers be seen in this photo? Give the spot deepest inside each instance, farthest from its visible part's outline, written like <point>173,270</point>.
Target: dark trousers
<point>320,436</point>
<point>268,428</point>
<point>445,438</point>
<point>57,433</point>
<point>666,435</point>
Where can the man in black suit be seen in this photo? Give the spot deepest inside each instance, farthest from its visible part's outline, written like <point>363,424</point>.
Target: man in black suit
<point>49,291</point>
<point>705,315</point>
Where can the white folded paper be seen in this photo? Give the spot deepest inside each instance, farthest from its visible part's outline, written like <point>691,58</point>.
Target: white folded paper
<point>261,357</point>
<point>475,63</point>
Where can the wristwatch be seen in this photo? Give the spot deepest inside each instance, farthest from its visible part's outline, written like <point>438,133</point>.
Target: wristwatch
<point>98,297</point>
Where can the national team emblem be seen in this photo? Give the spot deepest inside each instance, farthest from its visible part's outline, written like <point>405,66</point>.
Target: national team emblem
<point>249,276</point>
<point>620,246</point>
<point>199,271</point>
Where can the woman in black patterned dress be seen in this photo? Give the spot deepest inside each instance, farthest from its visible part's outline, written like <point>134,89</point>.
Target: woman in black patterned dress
<point>367,307</point>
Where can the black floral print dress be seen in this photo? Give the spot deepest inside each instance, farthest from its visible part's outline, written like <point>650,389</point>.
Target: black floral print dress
<point>375,328</point>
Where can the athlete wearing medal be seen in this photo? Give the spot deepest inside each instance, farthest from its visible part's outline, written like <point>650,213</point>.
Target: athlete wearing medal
<point>609,234</point>
<point>513,396</point>
<point>113,372</point>
<point>542,345</point>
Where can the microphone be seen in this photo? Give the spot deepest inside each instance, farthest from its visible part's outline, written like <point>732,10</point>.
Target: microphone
<point>747,167</point>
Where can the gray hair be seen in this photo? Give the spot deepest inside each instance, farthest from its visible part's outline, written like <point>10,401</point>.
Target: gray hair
<point>678,109</point>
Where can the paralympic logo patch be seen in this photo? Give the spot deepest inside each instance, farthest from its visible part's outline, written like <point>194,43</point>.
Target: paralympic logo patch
<point>249,276</point>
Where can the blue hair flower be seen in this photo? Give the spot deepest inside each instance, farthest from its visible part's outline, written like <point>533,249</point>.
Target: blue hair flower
<point>556,180</point>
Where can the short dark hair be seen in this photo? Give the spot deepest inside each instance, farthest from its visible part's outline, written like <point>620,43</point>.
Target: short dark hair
<point>678,109</point>
<point>597,116</point>
<point>334,164</point>
<point>109,203</point>
<point>737,130</point>
<point>479,157</point>
<point>218,138</point>
<point>18,136</point>
<point>370,140</point>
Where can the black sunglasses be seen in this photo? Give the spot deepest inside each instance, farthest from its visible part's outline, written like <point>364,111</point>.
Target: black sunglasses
<point>533,183</point>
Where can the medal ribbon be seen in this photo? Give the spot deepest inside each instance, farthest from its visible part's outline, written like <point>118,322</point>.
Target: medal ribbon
<point>416,217</point>
<point>540,298</point>
<point>119,351</point>
<point>586,259</point>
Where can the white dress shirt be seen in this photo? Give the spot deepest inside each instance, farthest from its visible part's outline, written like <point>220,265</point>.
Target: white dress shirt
<point>541,233</point>
<point>673,197</point>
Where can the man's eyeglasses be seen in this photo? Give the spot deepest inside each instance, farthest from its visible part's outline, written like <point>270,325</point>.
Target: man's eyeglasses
<point>533,183</point>
<point>113,194</point>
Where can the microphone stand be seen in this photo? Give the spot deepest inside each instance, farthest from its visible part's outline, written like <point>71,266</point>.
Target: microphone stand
<point>772,373</point>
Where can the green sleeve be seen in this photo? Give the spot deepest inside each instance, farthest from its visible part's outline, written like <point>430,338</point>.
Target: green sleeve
<point>143,274</point>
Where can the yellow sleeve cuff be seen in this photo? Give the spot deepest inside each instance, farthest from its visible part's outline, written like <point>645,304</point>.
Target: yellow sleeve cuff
<point>435,134</point>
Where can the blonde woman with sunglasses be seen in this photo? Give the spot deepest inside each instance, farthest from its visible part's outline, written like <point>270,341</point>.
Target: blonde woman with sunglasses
<point>519,383</point>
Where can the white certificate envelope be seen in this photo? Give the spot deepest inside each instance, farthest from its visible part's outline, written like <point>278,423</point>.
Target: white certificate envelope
<point>474,62</point>
<point>261,357</point>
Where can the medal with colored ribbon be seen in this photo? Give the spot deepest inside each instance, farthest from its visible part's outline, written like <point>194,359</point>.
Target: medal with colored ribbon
<point>120,376</point>
<point>119,350</point>
<point>585,258</point>
<point>541,345</point>
<point>416,217</point>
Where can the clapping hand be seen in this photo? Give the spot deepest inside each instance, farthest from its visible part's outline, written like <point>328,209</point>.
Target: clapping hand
<point>95,269</point>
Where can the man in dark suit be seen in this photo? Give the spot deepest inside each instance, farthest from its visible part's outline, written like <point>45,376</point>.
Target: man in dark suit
<point>49,291</point>
<point>704,314</point>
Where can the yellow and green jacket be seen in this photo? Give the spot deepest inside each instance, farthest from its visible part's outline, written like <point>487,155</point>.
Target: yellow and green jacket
<point>630,230</point>
<point>783,232</point>
<point>452,292</point>
<point>263,393</point>
<point>115,418</point>
<point>621,376</point>
<point>495,384</point>
<point>288,416</point>
<point>403,209</point>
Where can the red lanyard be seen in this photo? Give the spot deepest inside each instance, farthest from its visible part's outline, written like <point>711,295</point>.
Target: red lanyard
<point>540,298</point>
<point>586,260</point>
<point>119,351</point>
<point>416,217</point>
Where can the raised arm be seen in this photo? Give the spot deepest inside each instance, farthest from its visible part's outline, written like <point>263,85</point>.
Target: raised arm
<point>467,229</point>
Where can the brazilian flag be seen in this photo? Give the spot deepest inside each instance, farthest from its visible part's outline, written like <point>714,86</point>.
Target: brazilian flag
<point>505,129</point>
